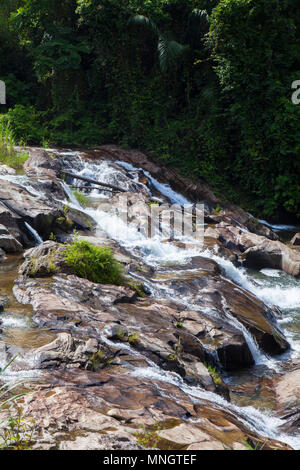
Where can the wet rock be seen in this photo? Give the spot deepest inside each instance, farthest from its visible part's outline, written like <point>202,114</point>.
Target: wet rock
<point>7,170</point>
<point>224,299</point>
<point>195,190</point>
<point>9,244</point>
<point>19,206</point>
<point>273,254</point>
<point>77,409</point>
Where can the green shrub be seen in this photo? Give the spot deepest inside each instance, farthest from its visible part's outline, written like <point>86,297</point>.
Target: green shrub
<point>97,264</point>
<point>8,155</point>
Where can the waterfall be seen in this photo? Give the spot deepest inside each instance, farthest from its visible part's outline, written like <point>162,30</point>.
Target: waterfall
<point>34,233</point>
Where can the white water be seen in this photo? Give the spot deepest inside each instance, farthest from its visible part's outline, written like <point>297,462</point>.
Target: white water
<point>165,189</point>
<point>277,227</point>
<point>34,233</point>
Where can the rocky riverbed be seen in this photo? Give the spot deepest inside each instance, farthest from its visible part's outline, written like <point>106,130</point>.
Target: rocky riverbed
<point>205,360</point>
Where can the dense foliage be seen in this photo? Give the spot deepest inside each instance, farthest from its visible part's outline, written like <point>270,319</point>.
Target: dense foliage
<point>204,85</point>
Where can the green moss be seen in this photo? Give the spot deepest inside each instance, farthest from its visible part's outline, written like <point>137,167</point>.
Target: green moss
<point>133,339</point>
<point>66,223</point>
<point>138,288</point>
<point>81,198</point>
<point>96,360</point>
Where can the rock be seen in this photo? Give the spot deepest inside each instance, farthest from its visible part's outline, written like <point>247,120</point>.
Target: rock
<point>9,244</point>
<point>45,260</point>
<point>273,254</point>
<point>17,205</point>
<point>76,409</point>
<point>287,391</point>
<point>295,240</point>
<point>65,350</point>
<point>41,163</point>
<point>7,170</point>
<point>97,442</point>
<point>194,190</point>
<point>192,437</point>
<point>224,299</point>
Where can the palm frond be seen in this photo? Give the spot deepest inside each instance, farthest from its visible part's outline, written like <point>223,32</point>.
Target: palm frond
<point>169,52</point>
<point>141,20</point>
<point>200,14</point>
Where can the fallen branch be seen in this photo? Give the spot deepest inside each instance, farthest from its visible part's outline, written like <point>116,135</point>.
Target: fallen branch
<point>89,180</point>
<point>89,188</point>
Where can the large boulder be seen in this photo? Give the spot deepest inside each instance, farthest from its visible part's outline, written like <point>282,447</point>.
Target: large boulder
<point>45,260</point>
<point>273,254</point>
<point>41,163</point>
<point>7,170</point>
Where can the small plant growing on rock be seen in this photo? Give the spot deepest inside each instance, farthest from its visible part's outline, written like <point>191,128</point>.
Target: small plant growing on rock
<point>97,264</point>
<point>134,338</point>
<point>214,374</point>
<point>18,434</point>
<point>258,446</point>
<point>148,438</point>
<point>217,210</point>
<point>96,360</point>
<point>122,335</point>
<point>177,350</point>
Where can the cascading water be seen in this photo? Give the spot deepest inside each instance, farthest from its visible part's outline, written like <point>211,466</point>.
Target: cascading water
<point>155,253</point>
<point>272,287</point>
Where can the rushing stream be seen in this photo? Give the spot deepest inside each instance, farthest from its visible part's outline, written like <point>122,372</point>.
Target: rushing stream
<point>272,286</point>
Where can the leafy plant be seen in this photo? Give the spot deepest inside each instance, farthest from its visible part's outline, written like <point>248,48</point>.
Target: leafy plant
<point>214,374</point>
<point>148,438</point>
<point>97,264</point>
<point>177,350</point>
<point>257,446</point>
<point>18,435</point>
